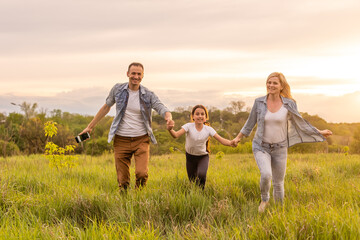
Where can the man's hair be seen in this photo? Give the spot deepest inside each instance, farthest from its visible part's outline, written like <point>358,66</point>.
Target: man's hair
<point>136,64</point>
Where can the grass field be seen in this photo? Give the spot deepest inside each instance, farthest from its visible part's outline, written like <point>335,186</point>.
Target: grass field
<point>322,200</point>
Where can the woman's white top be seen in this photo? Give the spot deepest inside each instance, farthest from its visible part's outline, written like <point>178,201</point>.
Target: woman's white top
<point>195,143</point>
<point>275,127</point>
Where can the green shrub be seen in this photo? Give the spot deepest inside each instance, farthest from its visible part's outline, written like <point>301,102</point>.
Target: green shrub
<point>98,146</point>
<point>8,149</point>
<point>334,148</point>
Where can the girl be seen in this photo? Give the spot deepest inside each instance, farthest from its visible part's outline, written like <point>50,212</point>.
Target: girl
<point>279,126</point>
<point>196,145</point>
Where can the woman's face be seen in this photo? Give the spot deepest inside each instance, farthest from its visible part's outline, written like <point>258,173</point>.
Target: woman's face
<point>273,86</point>
<point>199,116</point>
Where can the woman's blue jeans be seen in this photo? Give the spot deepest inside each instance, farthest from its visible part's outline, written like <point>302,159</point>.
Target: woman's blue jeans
<point>272,166</point>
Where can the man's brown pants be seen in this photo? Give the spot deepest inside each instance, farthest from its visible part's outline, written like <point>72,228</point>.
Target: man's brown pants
<point>124,148</point>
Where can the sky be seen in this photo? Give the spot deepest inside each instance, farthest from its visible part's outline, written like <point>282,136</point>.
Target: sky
<point>68,54</point>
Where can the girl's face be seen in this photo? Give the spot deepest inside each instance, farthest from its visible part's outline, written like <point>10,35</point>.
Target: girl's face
<point>199,116</point>
<point>273,86</point>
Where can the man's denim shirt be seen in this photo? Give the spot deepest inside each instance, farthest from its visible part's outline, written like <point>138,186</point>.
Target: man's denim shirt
<point>148,100</point>
<point>298,129</point>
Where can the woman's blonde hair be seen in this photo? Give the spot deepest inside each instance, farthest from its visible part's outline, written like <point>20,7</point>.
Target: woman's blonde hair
<point>285,91</point>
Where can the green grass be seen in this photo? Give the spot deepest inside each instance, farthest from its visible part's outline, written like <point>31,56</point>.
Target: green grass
<point>322,197</point>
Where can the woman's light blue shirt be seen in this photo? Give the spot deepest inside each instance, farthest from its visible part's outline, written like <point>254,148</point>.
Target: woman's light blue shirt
<point>298,129</point>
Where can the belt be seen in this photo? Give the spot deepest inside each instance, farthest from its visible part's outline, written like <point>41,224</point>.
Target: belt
<point>131,138</point>
<point>274,145</point>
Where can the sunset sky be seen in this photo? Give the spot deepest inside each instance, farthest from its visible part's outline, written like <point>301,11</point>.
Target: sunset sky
<point>68,54</point>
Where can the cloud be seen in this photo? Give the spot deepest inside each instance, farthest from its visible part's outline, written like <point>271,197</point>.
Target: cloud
<point>332,109</point>
<point>56,27</point>
<point>86,101</point>
<point>68,54</point>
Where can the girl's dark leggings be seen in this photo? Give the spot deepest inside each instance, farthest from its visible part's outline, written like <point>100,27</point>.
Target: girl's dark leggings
<point>197,167</point>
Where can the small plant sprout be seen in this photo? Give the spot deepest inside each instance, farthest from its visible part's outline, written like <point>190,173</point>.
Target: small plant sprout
<point>219,155</point>
<point>58,157</point>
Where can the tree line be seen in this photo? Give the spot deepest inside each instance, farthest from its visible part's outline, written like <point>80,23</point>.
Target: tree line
<point>23,133</point>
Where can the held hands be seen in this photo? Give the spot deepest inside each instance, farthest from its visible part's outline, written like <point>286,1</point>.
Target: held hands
<point>233,143</point>
<point>168,118</point>
<point>170,124</point>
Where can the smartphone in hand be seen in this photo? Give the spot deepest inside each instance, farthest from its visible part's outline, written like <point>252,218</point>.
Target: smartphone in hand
<point>82,137</point>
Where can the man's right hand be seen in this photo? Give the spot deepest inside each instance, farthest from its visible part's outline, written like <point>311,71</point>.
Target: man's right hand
<point>87,129</point>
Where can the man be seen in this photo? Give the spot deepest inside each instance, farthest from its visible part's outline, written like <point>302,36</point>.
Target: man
<point>131,127</point>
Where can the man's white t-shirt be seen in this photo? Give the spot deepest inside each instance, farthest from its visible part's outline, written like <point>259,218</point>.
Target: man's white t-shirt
<point>195,143</point>
<point>132,124</point>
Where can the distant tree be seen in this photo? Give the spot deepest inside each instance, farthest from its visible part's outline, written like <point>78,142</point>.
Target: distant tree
<point>212,109</point>
<point>316,121</point>
<point>8,148</point>
<point>56,116</point>
<point>241,117</point>
<point>5,135</point>
<point>237,106</point>
<point>56,113</point>
<point>31,131</point>
<point>183,109</point>
<point>215,116</point>
<point>64,136</point>
<point>103,127</point>
<point>355,145</point>
<point>2,118</point>
<point>319,147</point>
<point>226,116</point>
<point>98,146</point>
<point>28,109</point>
<point>12,126</point>
<point>158,119</point>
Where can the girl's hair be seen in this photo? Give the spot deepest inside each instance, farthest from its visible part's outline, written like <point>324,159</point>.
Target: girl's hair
<point>205,123</point>
<point>285,92</point>
<point>196,107</point>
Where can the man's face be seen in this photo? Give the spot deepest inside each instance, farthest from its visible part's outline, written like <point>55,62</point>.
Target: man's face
<point>135,75</point>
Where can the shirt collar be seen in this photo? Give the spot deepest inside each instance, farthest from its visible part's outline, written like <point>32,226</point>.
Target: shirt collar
<point>283,99</point>
<point>141,89</point>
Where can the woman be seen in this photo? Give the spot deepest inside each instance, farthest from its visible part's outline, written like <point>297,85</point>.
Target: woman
<point>279,126</point>
<point>198,133</point>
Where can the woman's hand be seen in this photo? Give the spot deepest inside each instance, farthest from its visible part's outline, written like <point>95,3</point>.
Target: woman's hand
<point>236,141</point>
<point>326,133</point>
<point>233,143</point>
